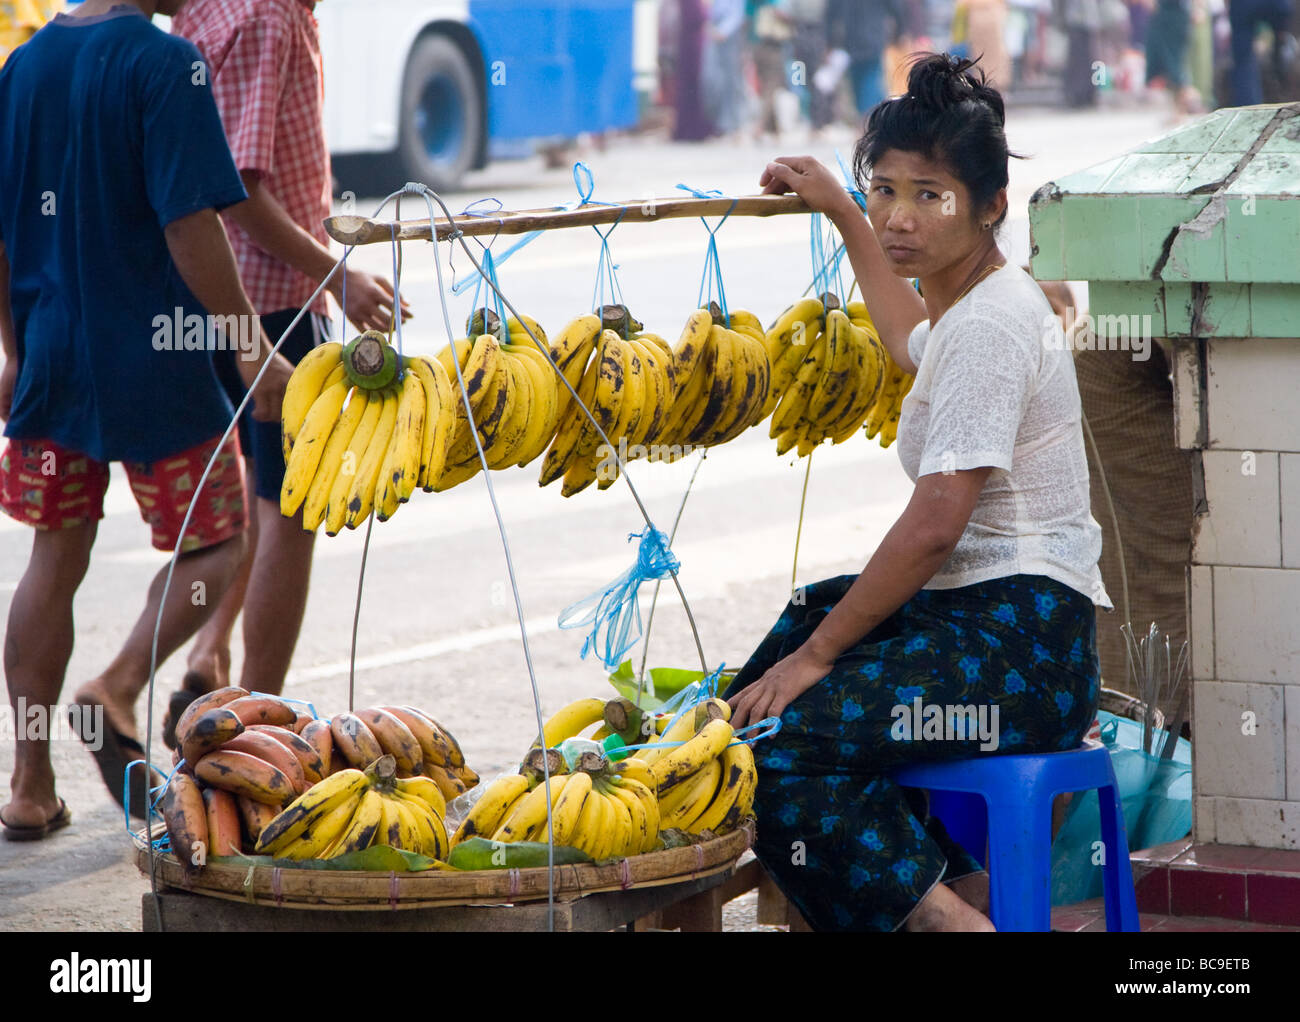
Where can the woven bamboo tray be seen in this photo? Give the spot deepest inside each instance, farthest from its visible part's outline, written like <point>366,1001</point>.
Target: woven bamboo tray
<point>322,889</point>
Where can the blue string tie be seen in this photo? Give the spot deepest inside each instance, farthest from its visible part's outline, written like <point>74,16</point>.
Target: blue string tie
<point>616,609</point>
<point>711,278</point>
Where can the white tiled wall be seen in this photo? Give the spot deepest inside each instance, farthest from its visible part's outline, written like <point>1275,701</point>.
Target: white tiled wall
<point>1203,820</point>
<point>1255,821</point>
<point>1290,508</point>
<point>1257,624</point>
<point>1243,524</point>
<point>1244,590</point>
<point>1200,636</point>
<point>1252,395</point>
<point>1293,742</point>
<point>1239,739</point>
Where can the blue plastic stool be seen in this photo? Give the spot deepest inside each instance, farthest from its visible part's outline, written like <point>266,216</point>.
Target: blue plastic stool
<point>1016,817</point>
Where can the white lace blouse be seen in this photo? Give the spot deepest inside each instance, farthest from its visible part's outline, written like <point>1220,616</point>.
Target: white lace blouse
<point>995,386</point>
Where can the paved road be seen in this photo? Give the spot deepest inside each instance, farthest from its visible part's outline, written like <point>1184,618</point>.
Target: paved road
<point>438,625</point>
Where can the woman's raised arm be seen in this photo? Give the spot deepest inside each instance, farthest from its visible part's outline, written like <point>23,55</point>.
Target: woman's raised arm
<point>894,304</point>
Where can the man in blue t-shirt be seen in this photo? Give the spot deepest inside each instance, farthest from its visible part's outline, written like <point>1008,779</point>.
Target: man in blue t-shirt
<point>116,284</point>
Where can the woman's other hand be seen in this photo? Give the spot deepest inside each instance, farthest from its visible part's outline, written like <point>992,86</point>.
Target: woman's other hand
<point>778,688</point>
<point>811,181</point>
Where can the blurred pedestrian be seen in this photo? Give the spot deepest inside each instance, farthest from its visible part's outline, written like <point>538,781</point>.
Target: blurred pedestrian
<point>1082,20</point>
<point>1201,53</point>
<point>773,33</point>
<point>1245,17</point>
<point>724,66</point>
<point>862,28</point>
<point>111,177</point>
<point>263,58</point>
<point>1168,36</point>
<point>809,50</point>
<point>986,22</point>
<point>690,122</point>
<point>669,16</point>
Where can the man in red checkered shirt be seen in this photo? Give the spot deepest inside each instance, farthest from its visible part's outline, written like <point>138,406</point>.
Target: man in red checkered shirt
<point>263,59</point>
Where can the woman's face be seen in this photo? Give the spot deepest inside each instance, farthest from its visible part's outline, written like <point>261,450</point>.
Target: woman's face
<point>921,213</point>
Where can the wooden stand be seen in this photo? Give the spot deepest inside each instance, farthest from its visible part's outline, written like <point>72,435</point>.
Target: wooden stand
<point>188,913</point>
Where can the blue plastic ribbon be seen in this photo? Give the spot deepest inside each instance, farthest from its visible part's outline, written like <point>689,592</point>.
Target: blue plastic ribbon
<point>766,728</point>
<point>826,267</point>
<point>487,281</point>
<point>850,184</point>
<point>155,795</point>
<point>711,278</point>
<point>616,609</point>
<point>486,207</point>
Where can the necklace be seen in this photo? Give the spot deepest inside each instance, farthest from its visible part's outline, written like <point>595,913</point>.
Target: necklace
<point>971,286</point>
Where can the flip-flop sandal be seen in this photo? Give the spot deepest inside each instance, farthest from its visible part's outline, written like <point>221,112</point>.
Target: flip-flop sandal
<point>179,701</point>
<point>37,832</point>
<point>114,753</point>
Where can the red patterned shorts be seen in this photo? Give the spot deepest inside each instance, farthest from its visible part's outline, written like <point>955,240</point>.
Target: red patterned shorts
<point>50,487</point>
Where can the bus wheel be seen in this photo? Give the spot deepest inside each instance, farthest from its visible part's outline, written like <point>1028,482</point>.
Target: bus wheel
<point>441,115</point>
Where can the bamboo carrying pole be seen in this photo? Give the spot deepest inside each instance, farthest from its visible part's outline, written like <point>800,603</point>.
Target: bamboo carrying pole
<point>360,230</point>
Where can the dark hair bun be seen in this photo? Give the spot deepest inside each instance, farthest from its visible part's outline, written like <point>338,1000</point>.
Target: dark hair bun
<point>949,113</point>
<point>941,81</point>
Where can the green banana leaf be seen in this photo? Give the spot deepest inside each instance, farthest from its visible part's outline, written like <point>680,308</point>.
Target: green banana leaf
<point>376,858</point>
<point>662,683</point>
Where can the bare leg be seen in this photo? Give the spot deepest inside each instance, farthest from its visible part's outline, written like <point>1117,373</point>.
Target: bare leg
<point>941,909</point>
<point>38,644</point>
<point>209,657</point>
<point>973,889</point>
<point>276,597</point>
<point>125,678</point>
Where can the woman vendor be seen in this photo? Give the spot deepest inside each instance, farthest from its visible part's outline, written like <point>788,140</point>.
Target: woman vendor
<point>982,593</point>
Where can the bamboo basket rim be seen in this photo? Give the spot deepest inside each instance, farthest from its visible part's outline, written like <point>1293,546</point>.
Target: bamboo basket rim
<point>352,890</point>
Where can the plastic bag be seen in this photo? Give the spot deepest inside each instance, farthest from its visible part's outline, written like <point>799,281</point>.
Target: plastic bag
<point>1156,796</point>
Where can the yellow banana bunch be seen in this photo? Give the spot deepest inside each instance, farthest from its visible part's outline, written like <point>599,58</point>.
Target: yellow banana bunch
<point>724,377</point>
<point>829,368</point>
<point>604,812</point>
<point>515,397</point>
<point>360,432</point>
<point>353,809</point>
<point>882,418</point>
<point>705,784</point>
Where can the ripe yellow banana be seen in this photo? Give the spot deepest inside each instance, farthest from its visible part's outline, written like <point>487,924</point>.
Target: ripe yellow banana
<point>572,429</point>
<point>318,494</point>
<point>530,811</point>
<point>310,443</point>
<point>426,790</point>
<point>790,409</point>
<point>486,816</point>
<point>364,825</point>
<point>572,720</point>
<point>439,421</point>
<point>738,778</point>
<point>639,822</point>
<point>649,802</point>
<point>304,386</point>
<point>589,832</point>
<point>684,760</point>
<point>321,833</point>
<point>350,463</point>
<point>400,468</point>
<point>310,806</point>
<point>568,807</point>
<point>361,496</point>
<point>681,805</point>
